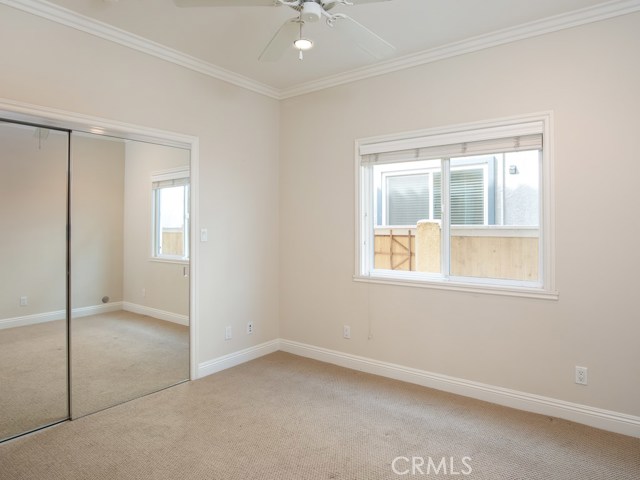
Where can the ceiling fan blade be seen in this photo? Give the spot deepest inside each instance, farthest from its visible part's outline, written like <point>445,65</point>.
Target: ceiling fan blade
<point>363,37</point>
<point>281,41</point>
<point>332,3</point>
<point>226,3</point>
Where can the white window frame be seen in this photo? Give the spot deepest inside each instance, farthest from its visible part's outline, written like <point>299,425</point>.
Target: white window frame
<point>172,174</point>
<point>495,129</point>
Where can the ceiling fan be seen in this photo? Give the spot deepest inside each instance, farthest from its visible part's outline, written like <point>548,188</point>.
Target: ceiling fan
<point>309,11</point>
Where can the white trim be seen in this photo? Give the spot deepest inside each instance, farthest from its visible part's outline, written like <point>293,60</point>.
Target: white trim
<point>194,255</point>
<point>85,24</point>
<point>437,284</point>
<point>237,358</point>
<point>552,24</point>
<point>548,213</point>
<point>32,319</point>
<point>594,417</point>
<point>501,37</point>
<point>96,310</point>
<point>494,231</point>
<point>30,113</point>
<point>175,261</point>
<point>59,315</point>
<point>156,313</point>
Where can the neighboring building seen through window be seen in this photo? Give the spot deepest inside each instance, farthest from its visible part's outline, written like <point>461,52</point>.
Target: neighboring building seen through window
<point>502,189</point>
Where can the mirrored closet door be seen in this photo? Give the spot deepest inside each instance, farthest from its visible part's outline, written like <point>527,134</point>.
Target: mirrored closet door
<point>95,273</point>
<point>33,259</point>
<point>129,270</point>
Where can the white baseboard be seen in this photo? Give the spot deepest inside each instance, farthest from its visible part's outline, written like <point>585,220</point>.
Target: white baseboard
<point>96,309</point>
<point>594,417</point>
<point>33,319</point>
<point>156,313</point>
<point>236,358</point>
<point>59,315</point>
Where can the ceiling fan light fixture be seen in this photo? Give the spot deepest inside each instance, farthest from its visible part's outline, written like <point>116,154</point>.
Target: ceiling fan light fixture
<point>303,44</point>
<point>311,11</point>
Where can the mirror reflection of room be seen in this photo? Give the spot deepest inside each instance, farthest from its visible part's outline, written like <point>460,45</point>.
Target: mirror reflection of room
<point>33,327</point>
<point>129,270</point>
<point>120,329</point>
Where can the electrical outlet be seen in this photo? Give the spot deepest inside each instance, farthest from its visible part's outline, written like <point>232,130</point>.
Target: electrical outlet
<point>346,331</point>
<point>24,301</point>
<point>249,328</point>
<point>581,375</point>
<point>227,333</point>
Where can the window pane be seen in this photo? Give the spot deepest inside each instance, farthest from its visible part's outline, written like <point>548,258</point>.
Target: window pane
<point>407,199</point>
<point>172,221</point>
<point>406,236</point>
<point>521,188</point>
<point>495,216</point>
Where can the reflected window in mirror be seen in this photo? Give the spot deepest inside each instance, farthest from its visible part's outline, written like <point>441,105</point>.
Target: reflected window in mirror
<point>170,215</point>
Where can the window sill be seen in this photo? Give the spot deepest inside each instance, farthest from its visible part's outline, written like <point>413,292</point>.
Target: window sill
<point>510,291</point>
<point>169,260</point>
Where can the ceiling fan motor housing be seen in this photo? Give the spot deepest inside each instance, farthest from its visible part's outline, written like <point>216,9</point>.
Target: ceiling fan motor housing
<point>311,11</point>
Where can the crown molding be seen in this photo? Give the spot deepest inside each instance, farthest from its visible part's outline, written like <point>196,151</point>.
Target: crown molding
<point>481,42</point>
<point>63,16</point>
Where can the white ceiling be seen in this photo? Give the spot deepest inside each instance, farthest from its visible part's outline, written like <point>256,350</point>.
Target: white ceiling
<point>233,37</point>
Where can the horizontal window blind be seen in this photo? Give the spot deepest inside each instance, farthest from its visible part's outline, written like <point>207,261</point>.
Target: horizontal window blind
<point>407,199</point>
<point>464,149</point>
<point>467,197</point>
<point>433,145</point>
<point>170,178</point>
<point>434,138</point>
<point>178,182</point>
<point>437,196</point>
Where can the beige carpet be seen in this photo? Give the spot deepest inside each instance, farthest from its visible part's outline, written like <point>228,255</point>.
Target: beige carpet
<point>122,355</point>
<point>33,377</point>
<point>115,357</point>
<point>285,417</point>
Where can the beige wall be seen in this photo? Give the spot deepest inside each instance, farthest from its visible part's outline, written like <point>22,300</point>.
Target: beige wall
<point>97,220</point>
<point>47,64</point>
<point>33,210</point>
<point>165,286</point>
<point>589,78</point>
<point>110,240</point>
